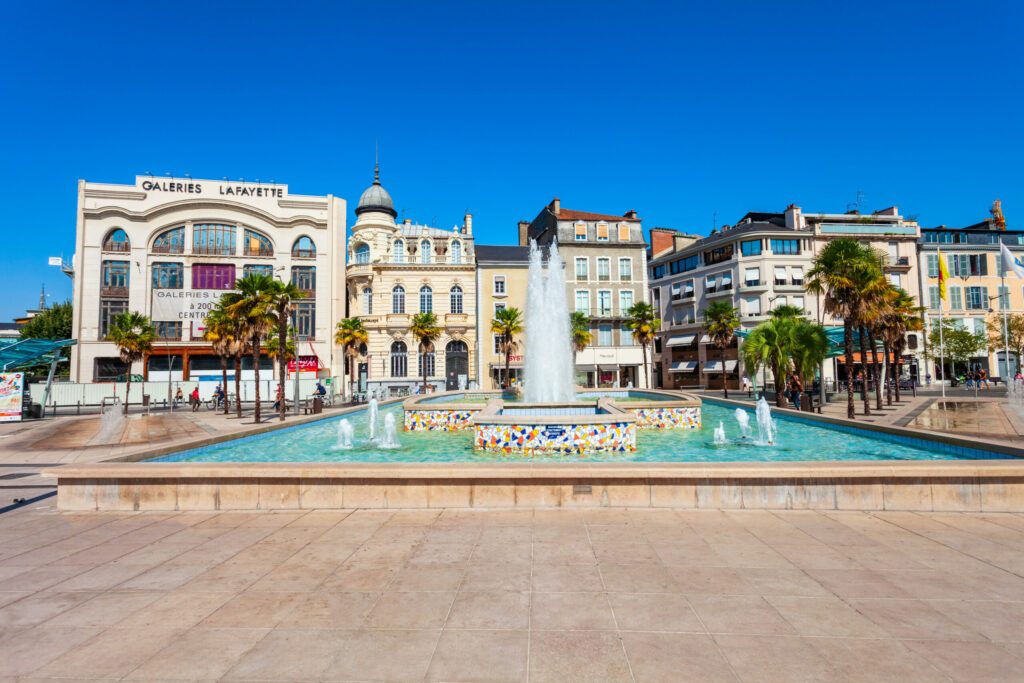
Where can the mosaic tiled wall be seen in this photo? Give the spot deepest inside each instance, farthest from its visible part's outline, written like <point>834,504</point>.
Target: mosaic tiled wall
<point>668,418</point>
<point>567,438</point>
<point>437,420</point>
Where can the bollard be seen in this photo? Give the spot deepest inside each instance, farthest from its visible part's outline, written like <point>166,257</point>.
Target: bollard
<point>78,409</point>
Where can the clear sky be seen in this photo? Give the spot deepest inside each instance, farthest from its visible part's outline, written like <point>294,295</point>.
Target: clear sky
<point>678,110</point>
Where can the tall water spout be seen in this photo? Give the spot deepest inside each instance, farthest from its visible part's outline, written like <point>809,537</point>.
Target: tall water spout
<point>765,423</point>
<point>720,435</point>
<point>344,436</point>
<point>390,436</point>
<point>743,419</point>
<point>371,416</point>
<point>549,361</point>
<point>112,422</point>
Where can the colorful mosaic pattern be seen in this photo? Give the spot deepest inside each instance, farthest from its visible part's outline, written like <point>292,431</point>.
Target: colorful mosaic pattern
<point>437,420</point>
<point>668,418</point>
<point>567,438</point>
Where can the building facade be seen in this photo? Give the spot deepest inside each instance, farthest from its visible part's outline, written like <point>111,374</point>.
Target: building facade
<point>501,276</point>
<point>757,265</point>
<point>975,292</point>
<point>606,273</point>
<point>396,270</point>
<point>170,247</point>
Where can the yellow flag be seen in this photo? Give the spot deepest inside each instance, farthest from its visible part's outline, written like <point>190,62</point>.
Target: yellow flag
<point>943,275</point>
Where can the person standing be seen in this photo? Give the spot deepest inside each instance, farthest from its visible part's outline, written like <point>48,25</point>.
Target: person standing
<point>193,399</point>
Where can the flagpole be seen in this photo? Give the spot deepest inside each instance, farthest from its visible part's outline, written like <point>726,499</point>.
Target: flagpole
<point>1005,305</point>
<point>942,353</point>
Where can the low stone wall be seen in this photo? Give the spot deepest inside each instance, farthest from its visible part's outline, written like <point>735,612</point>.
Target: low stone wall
<point>665,418</point>
<point>992,486</point>
<point>568,438</point>
<point>445,420</point>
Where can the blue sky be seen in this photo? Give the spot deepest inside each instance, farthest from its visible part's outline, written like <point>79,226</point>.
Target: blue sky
<point>679,110</point>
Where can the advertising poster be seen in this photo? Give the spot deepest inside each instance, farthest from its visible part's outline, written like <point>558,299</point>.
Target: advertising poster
<point>12,387</point>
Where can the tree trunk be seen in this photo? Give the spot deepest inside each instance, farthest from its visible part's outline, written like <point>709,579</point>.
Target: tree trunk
<point>875,369</point>
<point>128,387</point>
<point>352,376</point>
<point>256,371</point>
<point>897,352</point>
<point>867,373</point>
<point>647,373</point>
<point>725,377</point>
<point>507,382</point>
<point>780,390</point>
<point>282,345</point>
<point>224,381</point>
<point>238,384</point>
<point>888,372</point>
<point>423,365</point>
<point>851,411</point>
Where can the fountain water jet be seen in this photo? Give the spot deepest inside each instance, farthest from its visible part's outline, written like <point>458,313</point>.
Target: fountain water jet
<point>345,432</point>
<point>390,437</point>
<point>743,419</point>
<point>720,439</point>
<point>766,431</point>
<point>371,416</point>
<point>112,423</point>
<point>549,364</point>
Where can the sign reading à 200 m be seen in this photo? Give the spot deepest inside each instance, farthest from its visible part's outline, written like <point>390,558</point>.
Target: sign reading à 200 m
<point>186,305</point>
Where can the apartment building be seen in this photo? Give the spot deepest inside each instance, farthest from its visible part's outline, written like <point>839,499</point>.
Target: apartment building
<point>976,291</point>
<point>501,276</point>
<point>757,264</point>
<point>606,273</point>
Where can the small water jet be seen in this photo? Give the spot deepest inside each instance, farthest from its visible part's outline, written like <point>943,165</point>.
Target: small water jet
<point>112,422</point>
<point>743,419</point>
<point>720,439</point>
<point>549,363</point>
<point>390,437</point>
<point>345,432</point>
<point>371,417</point>
<point>766,431</point>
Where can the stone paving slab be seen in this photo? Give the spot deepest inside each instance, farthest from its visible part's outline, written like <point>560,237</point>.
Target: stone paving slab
<point>512,595</point>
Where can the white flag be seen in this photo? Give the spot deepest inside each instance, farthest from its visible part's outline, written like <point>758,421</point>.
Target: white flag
<point>1010,262</point>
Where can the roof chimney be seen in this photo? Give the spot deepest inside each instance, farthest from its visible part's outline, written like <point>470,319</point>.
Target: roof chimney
<point>794,218</point>
<point>630,214</point>
<point>556,206</point>
<point>524,233</point>
<point>467,224</point>
<point>661,241</point>
<point>407,221</point>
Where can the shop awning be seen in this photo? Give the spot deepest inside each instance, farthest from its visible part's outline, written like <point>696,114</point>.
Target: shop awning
<point>713,366</point>
<point>608,368</point>
<point>881,358</point>
<point>511,366</point>
<point>705,339</point>
<point>681,340</point>
<point>17,354</point>
<point>684,366</point>
<point>730,365</point>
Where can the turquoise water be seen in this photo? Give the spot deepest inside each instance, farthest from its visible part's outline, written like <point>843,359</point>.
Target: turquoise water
<point>797,440</point>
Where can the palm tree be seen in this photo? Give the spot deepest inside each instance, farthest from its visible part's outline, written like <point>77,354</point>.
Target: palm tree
<point>424,328</point>
<point>134,335</point>
<point>721,320</point>
<point>809,347</point>
<point>284,294</point>
<point>902,315</point>
<point>839,272</point>
<point>579,330</point>
<point>507,323</point>
<point>221,332</point>
<point>253,305</point>
<point>770,344</point>
<point>786,311</point>
<point>643,321</point>
<point>350,335</point>
<point>273,351</point>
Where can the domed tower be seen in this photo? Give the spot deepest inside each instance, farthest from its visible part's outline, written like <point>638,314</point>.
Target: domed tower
<point>375,199</point>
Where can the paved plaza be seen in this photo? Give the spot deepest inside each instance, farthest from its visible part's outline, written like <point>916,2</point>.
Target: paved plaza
<point>602,595</point>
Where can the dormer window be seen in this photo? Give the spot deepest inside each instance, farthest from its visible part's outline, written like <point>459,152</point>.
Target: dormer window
<point>623,232</point>
<point>456,253</point>
<point>399,251</point>
<point>602,232</point>
<point>425,251</point>
<point>581,232</point>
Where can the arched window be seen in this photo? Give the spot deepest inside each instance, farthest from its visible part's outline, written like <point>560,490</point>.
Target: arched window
<point>170,242</point>
<point>304,248</point>
<point>399,359</point>
<point>257,244</point>
<point>425,360</point>
<point>367,301</point>
<point>362,253</point>
<point>456,251</point>
<point>425,251</point>
<point>399,251</point>
<point>455,299</point>
<point>214,239</point>
<point>426,299</point>
<point>398,299</point>
<point>117,240</point>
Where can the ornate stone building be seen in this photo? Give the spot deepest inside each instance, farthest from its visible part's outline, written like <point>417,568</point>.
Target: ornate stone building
<point>396,270</point>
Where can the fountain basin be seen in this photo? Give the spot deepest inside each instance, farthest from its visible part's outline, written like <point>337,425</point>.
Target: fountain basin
<point>570,428</point>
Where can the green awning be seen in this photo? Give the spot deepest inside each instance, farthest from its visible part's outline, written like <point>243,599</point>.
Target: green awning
<point>17,354</point>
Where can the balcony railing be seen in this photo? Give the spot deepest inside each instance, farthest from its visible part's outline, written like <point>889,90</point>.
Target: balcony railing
<point>303,253</point>
<point>114,292</point>
<point>307,293</point>
<point>168,249</point>
<point>216,250</point>
<point>259,251</point>
<point>118,247</point>
<point>753,283</point>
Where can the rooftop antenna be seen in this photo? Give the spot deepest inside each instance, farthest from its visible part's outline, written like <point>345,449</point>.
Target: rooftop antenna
<point>714,221</point>
<point>376,162</point>
<point>855,206</point>
<point>42,297</point>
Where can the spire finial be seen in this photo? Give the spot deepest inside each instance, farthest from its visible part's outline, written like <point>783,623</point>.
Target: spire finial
<point>376,163</point>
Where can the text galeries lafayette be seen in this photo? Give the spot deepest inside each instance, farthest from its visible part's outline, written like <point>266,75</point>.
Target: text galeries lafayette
<point>197,188</point>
